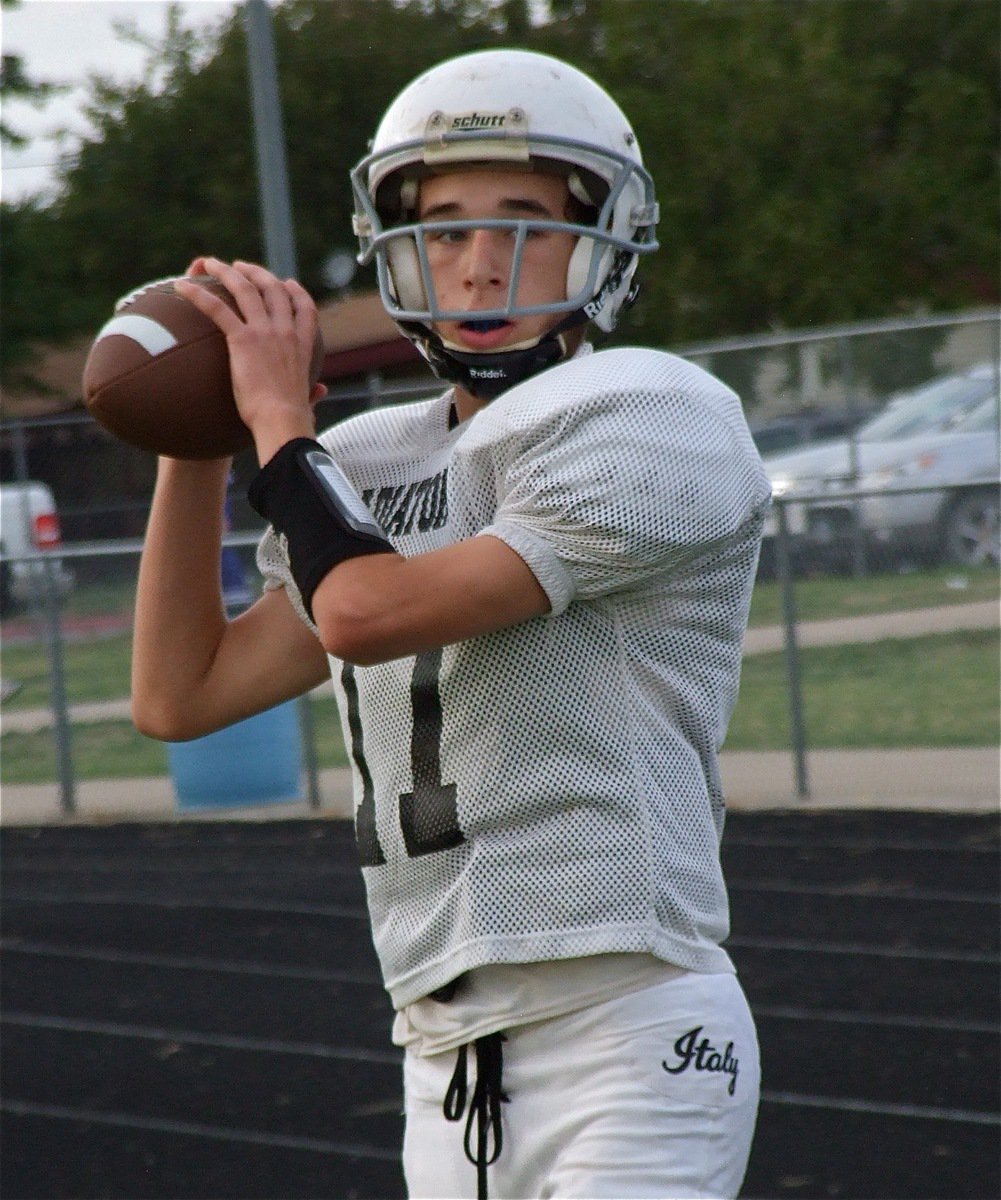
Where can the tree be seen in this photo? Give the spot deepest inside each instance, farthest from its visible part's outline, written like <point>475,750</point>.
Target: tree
<point>27,227</point>
<point>815,162</point>
<point>15,83</point>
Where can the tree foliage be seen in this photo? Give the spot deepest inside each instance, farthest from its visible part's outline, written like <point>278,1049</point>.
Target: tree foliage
<point>16,83</point>
<point>816,160</point>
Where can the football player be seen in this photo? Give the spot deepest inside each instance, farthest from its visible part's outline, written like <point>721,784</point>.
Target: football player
<point>531,592</point>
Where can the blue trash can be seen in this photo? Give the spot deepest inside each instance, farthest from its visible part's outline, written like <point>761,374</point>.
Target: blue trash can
<point>256,761</point>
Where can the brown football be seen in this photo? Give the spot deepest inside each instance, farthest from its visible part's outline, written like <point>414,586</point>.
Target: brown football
<point>157,375</point>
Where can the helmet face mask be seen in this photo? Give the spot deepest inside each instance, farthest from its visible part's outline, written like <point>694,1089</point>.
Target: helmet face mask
<point>509,110</point>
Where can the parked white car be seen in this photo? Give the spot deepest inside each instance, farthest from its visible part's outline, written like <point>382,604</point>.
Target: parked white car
<point>29,526</point>
<point>922,477</point>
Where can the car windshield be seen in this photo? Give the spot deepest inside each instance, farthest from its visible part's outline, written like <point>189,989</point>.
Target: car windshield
<point>938,407</point>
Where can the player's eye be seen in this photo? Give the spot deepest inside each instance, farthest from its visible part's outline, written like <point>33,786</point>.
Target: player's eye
<point>448,237</point>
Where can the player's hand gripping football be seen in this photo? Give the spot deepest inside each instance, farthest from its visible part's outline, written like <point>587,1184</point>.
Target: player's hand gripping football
<point>271,343</point>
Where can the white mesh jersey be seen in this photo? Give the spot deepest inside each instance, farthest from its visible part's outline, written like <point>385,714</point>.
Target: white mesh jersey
<point>552,790</point>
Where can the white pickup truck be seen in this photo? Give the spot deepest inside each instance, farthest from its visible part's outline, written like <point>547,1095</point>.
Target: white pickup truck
<point>29,525</point>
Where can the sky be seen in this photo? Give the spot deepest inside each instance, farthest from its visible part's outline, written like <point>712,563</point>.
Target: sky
<point>62,41</point>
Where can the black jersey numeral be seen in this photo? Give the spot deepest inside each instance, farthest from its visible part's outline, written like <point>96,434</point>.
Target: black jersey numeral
<point>429,818</point>
<point>369,850</point>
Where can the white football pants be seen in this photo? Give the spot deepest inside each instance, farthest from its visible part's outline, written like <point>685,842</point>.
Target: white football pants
<point>653,1095</point>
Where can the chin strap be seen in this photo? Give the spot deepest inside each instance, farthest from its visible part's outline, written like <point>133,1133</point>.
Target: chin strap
<point>485,376</point>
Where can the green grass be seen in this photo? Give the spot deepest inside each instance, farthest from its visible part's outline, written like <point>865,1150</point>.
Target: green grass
<point>103,750</point>
<point>931,691</point>
<point>96,599</point>
<point>98,669</point>
<point>115,750</point>
<point>831,596</point>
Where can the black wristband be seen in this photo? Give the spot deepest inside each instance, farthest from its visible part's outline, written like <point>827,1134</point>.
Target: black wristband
<point>308,499</point>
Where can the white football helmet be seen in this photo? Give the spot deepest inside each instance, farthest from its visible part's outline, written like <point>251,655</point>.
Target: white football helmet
<point>505,107</point>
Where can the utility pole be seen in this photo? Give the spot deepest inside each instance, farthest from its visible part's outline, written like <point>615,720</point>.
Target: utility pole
<point>279,235</point>
<point>269,138</point>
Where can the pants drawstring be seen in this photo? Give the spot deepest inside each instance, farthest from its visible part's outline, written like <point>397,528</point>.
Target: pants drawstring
<point>484,1105</point>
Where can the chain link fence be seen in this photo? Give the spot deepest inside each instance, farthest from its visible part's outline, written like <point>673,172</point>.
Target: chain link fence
<point>916,526</point>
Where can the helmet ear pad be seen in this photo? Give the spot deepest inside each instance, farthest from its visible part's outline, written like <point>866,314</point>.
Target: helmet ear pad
<point>404,265</point>
<point>578,270</point>
<point>579,266</point>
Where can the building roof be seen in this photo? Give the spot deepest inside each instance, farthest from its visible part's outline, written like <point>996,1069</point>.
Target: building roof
<point>49,385</point>
<point>360,337</point>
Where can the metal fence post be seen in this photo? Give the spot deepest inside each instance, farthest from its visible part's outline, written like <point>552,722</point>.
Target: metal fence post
<point>269,139</point>
<point>279,235</point>
<point>783,564</point>
<point>60,704</point>
<point>45,597</point>
<point>307,724</point>
<point>859,563</point>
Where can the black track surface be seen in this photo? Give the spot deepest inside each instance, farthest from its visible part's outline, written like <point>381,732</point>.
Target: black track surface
<point>193,1011</point>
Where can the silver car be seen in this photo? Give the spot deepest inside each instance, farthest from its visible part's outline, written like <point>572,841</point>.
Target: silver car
<point>921,478</point>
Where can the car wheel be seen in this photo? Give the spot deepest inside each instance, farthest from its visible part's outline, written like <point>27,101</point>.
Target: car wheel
<point>972,532</point>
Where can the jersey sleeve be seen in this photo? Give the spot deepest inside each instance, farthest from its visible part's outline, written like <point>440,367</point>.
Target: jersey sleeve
<point>272,562</point>
<point>610,492</point>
